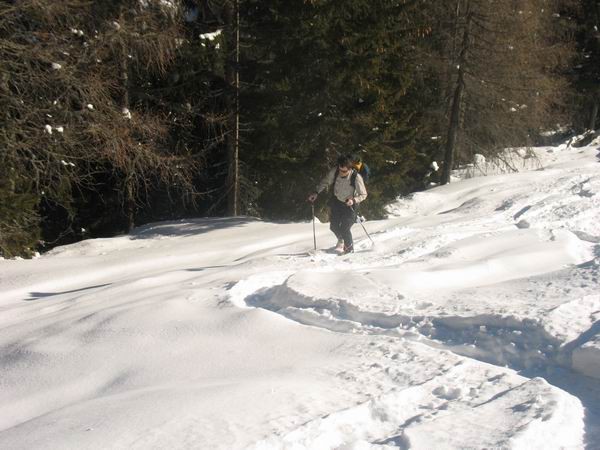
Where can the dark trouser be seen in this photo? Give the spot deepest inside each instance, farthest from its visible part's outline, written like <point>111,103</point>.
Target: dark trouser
<point>341,220</point>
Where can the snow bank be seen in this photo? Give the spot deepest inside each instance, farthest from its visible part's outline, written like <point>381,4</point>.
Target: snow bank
<point>586,358</point>
<point>442,414</point>
<point>231,334</point>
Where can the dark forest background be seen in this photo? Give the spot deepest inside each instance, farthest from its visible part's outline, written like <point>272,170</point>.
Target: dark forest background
<point>115,113</point>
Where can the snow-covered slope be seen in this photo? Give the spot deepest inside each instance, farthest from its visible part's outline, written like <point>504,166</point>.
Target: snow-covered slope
<point>472,323</point>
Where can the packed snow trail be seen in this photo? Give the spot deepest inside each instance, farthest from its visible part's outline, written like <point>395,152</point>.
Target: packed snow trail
<point>472,324</point>
<point>512,281</point>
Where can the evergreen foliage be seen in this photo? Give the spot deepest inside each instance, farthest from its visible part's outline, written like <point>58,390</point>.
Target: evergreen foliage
<point>19,230</point>
<point>120,112</point>
<point>586,67</point>
<point>330,78</point>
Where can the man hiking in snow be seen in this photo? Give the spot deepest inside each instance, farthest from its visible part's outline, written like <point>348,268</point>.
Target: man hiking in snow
<point>348,190</point>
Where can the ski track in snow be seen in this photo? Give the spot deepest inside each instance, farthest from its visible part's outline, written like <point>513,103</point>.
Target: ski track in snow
<point>472,323</point>
<point>501,308</point>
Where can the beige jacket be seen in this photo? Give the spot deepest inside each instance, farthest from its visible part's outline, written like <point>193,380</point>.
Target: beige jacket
<point>343,190</point>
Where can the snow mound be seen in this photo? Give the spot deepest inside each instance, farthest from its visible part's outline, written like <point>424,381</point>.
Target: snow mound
<point>429,415</point>
<point>536,416</point>
<point>231,333</point>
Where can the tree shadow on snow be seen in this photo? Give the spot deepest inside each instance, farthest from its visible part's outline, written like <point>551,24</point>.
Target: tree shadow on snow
<point>40,295</point>
<point>188,227</point>
<point>202,269</point>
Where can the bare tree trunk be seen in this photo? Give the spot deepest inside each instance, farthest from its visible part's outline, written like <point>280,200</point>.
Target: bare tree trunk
<point>452,60</point>
<point>129,176</point>
<point>455,112</point>
<point>128,201</point>
<point>232,18</point>
<point>594,15</point>
<point>594,114</point>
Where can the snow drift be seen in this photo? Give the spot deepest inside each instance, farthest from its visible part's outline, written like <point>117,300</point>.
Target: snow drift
<point>474,323</point>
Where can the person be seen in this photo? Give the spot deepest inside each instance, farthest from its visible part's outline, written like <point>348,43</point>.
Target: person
<point>348,191</point>
<point>361,167</point>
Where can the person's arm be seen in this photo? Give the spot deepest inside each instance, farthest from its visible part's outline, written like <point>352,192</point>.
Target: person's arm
<point>325,182</point>
<point>360,191</point>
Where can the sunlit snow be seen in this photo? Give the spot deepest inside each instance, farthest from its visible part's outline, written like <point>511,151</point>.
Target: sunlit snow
<point>460,328</point>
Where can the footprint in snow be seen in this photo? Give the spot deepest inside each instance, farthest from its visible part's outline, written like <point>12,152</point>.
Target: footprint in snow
<point>447,393</point>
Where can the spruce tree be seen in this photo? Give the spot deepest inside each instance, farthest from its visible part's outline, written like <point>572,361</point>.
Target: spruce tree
<point>19,229</point>
<point>586,67</point>
<point>329,78</point>
<point>208,83</point>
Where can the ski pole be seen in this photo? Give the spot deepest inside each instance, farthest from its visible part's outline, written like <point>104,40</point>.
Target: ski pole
<point>358,217</point>
<point>313,220</point>
<point>366,232</point>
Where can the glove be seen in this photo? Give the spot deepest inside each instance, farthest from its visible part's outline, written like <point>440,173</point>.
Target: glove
<point>312,197</point>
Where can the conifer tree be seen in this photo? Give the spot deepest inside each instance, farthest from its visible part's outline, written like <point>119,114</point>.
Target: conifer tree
<point>586,67</point>
<point>116,112</point>
<point>19,230</point>
<point>232,78</point>
<point>327,78</point>
<point>212,47</point>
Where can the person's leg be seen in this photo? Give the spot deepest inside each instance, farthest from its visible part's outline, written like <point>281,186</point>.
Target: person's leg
<point>334,227</point>
<point>338,209</point>
<point>347,219</point>
<point>334,219</point>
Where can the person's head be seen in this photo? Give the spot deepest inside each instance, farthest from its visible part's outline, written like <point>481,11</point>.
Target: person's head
<point>344,165</point>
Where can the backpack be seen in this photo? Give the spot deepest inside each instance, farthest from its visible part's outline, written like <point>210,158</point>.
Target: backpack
<point>364,172</point>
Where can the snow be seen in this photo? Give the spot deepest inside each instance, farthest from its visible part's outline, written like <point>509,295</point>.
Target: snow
<point>479,159</point>
<point>586,359</point>
<point>211,36</point>
<point>473,322</point>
